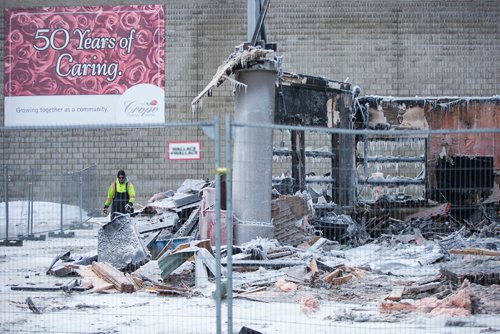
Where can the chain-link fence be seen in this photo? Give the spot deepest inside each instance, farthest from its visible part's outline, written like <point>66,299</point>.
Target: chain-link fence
<point>369,230</point>
<point>372,237</point>
<point>37,201</point>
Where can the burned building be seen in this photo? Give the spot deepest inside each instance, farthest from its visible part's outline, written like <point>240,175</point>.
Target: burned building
<point>407,153</point>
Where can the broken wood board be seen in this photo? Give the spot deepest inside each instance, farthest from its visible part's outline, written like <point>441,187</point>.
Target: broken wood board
<point>483,271</point>
<point>317,245</point>
<point>109,273</point>
<point>168,290</point>
<point>344,274</point>
<point>277,255</point>
<point>188,226</point>
<point>396,294</point>
<point>439,211</point>
<point>474,251</point>
<point>251,298</point>
<point>422,288</point>
<point>285,212</point>
<point>91,280</point>
<point>61,270</point>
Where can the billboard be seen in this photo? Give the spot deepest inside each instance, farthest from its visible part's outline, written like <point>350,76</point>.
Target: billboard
<point>74,66</point>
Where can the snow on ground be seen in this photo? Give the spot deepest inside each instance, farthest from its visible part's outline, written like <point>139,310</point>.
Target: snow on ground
<point>144,312</point>
<point>46,217</point>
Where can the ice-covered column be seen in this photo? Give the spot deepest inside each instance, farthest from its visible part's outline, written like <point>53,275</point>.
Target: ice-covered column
<point>253,152</point>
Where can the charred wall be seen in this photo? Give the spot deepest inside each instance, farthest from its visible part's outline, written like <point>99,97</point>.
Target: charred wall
<point>460,168</point>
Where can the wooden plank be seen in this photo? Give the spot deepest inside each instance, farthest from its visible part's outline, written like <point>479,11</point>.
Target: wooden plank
<point>61,270</point>
<point>318,244</point>
<point>422,288</point>
<point>188,226</point>
<point>342,280</point>
<point>282,254</point>
<point>396,294</point>
<point>91,280</point>
<point>253,299</point>
<point>113,275</point>
<point>334,274</point>
<point>474,251</point>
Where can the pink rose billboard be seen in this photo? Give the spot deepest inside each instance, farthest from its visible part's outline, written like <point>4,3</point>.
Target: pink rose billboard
<point>84,65</point>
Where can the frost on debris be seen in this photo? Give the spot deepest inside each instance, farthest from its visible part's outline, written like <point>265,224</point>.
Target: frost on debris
<point>236,60</point>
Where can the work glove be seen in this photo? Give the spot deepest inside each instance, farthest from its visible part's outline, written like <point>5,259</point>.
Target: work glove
<point>105,210</point>
<point>129,208</point>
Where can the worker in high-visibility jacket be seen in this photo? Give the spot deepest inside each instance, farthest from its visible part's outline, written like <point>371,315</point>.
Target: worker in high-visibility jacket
<point>121,196</point>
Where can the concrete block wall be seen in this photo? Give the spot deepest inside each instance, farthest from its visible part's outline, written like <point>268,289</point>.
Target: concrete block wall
<point>388,47</point>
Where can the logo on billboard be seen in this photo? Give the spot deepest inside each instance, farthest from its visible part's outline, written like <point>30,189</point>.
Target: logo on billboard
<point>140,108</point>
<point>142,101</point>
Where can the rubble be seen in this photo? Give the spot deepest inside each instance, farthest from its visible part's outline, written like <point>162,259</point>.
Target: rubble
<point>118,243</point>
<point>367,256</point>
<point>290,215</point>
<point>114,276</point>
<point>477,269</point>
<point>455,305</point>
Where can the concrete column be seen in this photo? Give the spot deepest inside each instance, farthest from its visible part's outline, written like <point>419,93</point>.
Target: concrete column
<point>253,152</point>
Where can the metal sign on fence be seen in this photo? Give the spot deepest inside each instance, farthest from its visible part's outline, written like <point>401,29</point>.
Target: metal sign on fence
<point>184,150</point>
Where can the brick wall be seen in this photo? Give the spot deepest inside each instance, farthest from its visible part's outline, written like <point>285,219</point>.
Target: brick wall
<point>399,48</point>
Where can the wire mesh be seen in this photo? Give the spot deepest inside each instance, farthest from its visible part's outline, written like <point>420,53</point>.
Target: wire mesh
<point>384,260</point>
<point>390,251</point>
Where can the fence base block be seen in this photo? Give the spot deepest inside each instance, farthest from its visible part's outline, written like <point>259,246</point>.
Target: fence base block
<point>33,237</point>
<point>11,242</point>
<point>61,234</point>
<point>80,226</point>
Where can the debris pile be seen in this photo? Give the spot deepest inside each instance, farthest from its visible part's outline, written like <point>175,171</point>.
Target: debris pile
<point>454,305</point>
<point>166,248</point>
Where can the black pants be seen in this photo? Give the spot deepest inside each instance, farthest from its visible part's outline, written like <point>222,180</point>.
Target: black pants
<point>119,202</point>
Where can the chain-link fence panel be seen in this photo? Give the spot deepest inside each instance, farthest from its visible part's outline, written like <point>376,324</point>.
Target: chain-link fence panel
<point>37,202</point>
<point>362,222</point>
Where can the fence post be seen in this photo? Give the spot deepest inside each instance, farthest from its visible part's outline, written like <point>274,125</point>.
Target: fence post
<point>218,294</point>
<point>229,226</point>
<point>61,189</point>
<point>32,179</point>
<point>81,195</point>
<point>6,242</point>
<point>30,235</point>
<point>6,197</point>
<point>30,190</point>
<point>61,233</point>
